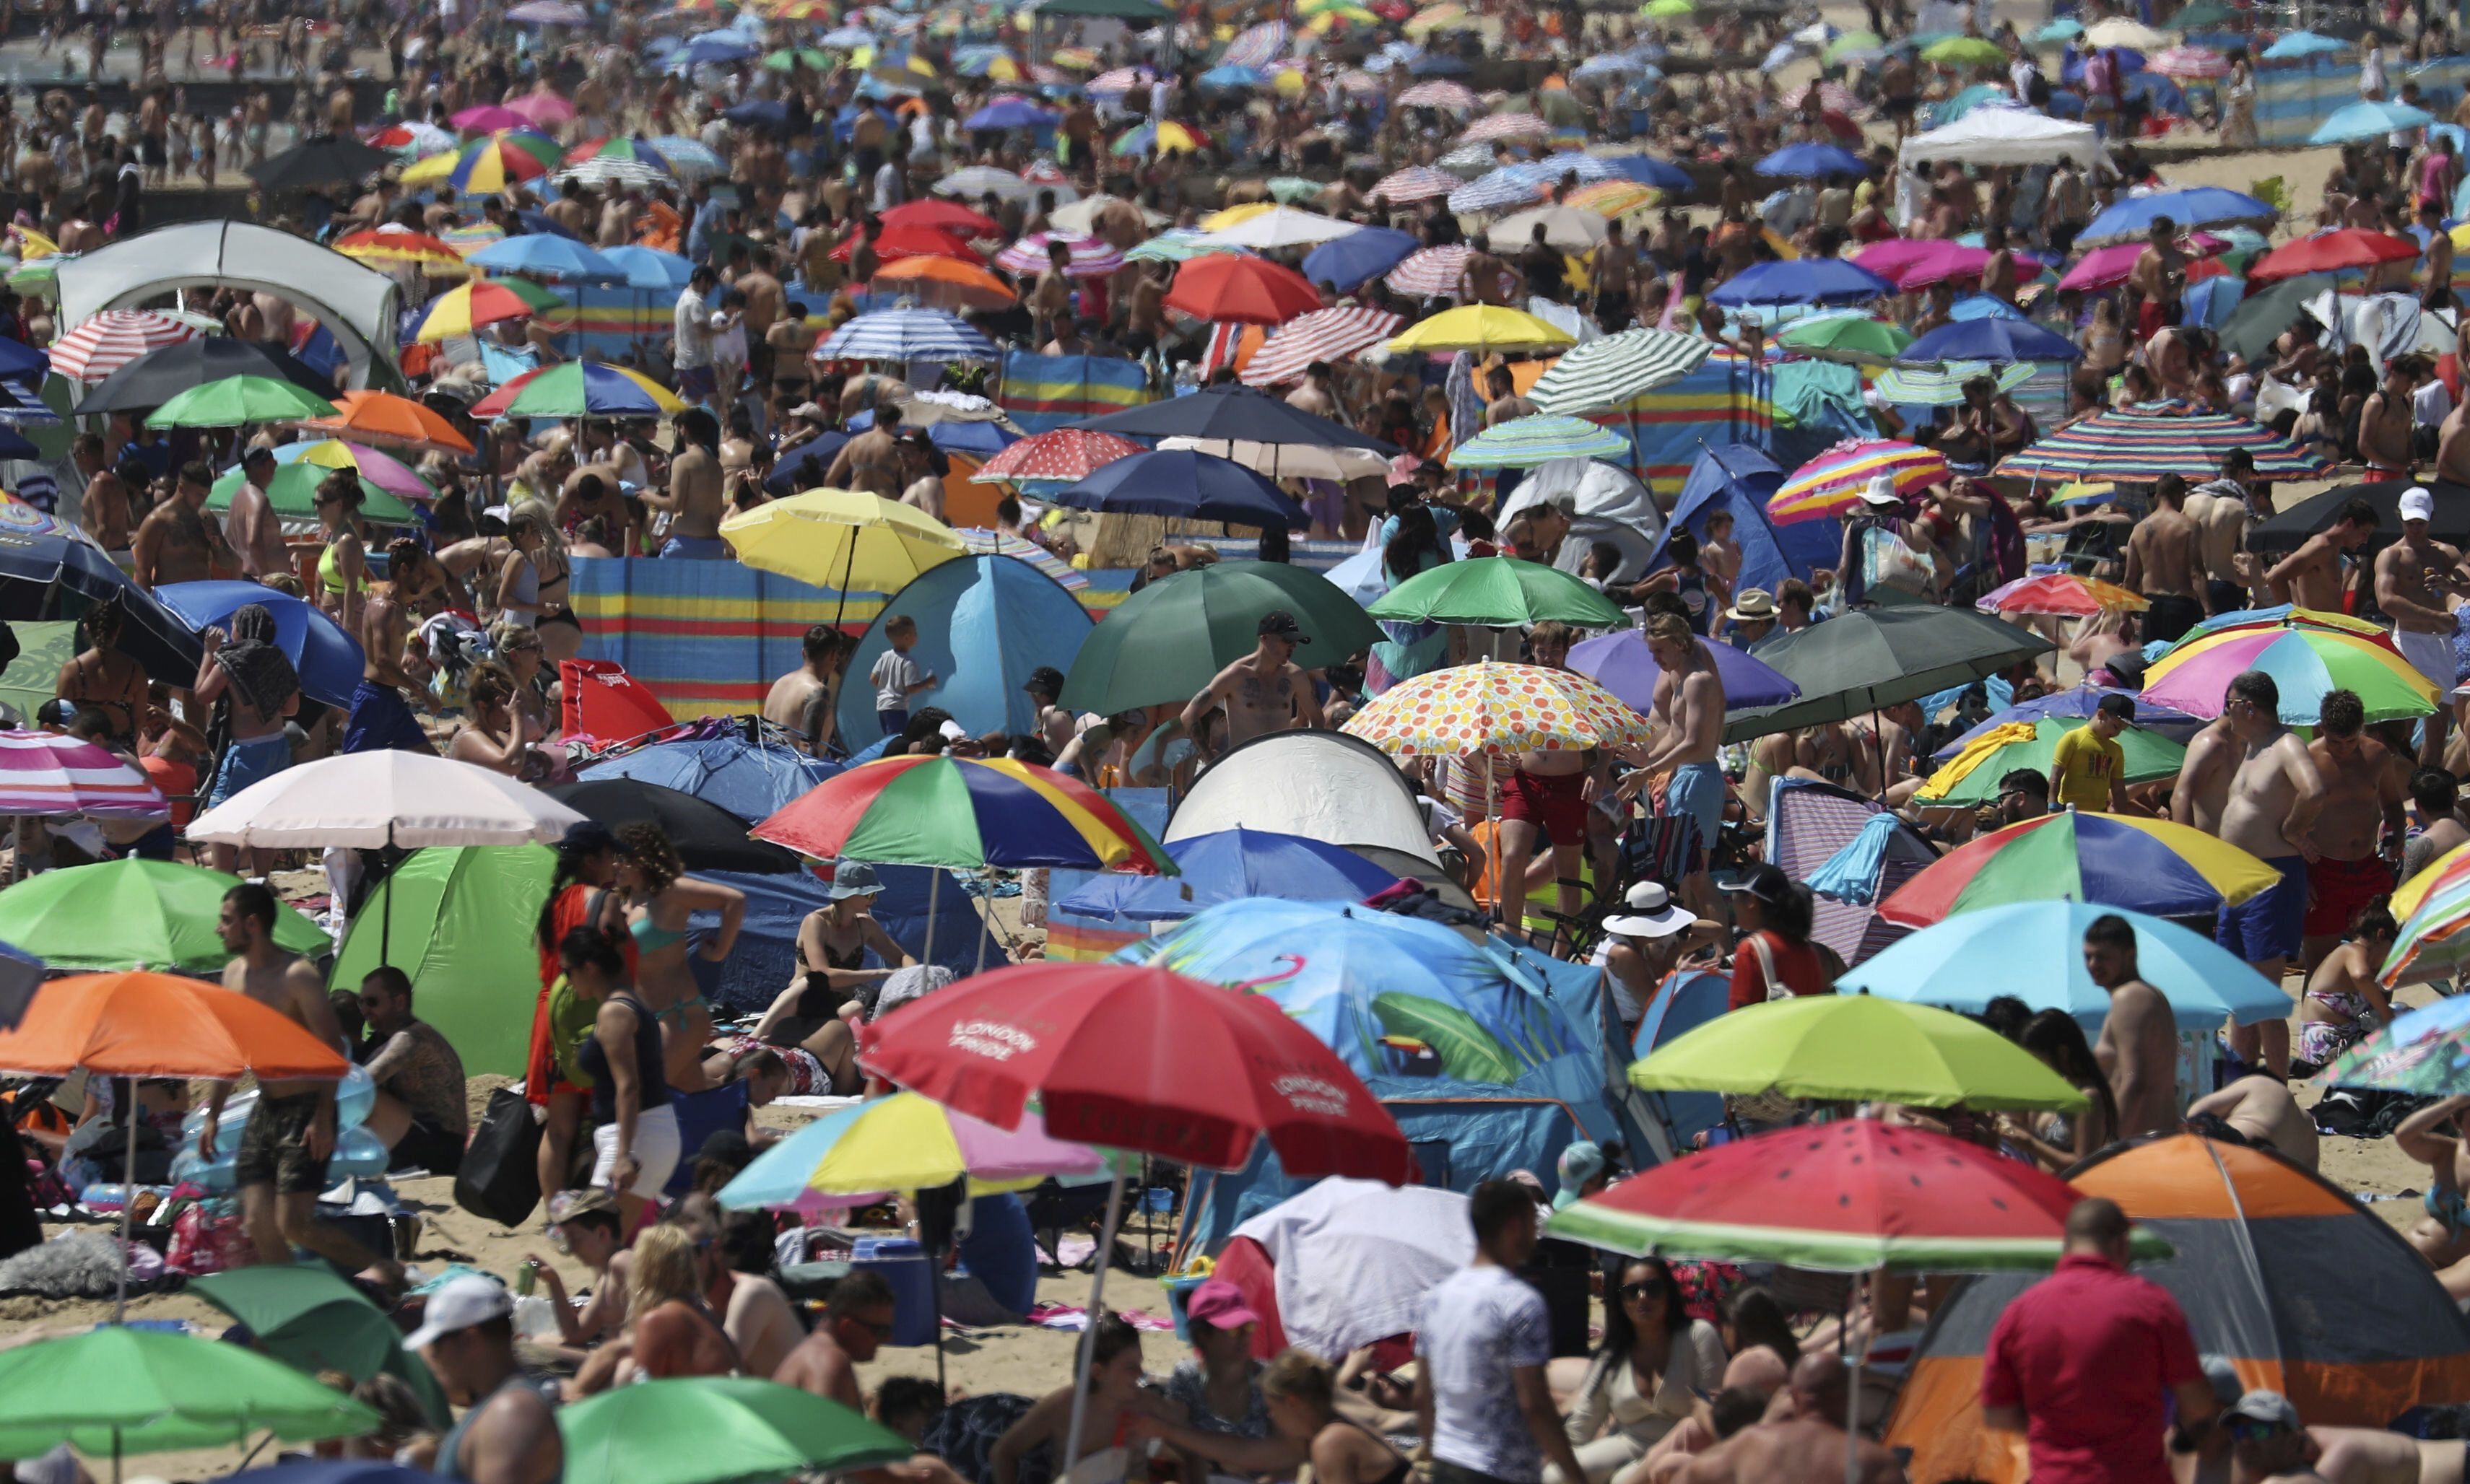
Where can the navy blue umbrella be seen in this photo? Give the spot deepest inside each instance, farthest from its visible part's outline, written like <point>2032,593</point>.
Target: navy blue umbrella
<point>22,362</point>
<point>1239,414</point>
<point>1648,170</point>
<point>766,112</point>
<point>328,660</point>
<point>1810,162</point>
<point>538,222</point>
<point>1229,865</point>
<point>1823,281</point>
<point>1998,341</point>
<point>1191,485</point>
<point>46,575</point>
<point>15,445</point>
<point>1008,113</point>
<point>790,472</point>
<point>1351,260</point>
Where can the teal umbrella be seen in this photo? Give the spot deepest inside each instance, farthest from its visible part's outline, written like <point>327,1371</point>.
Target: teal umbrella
<point>119,1390</point>
<point>1496,593</point>
<point>308,1317</point>
<point>1525,442</point>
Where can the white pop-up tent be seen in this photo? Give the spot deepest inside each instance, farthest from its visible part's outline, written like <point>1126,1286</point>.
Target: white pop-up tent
<point>2007,136</point>
<point>1612,506</point>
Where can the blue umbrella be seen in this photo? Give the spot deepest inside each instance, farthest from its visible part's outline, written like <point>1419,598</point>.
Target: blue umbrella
<point>789,467</point>
<point>1187,484</point>
<point>22,362</point>
<point>650,268</point>
<point>1824,281</point>
<point>978,440</point>
<point>2080,700</point>
<point>2364,120</point>
<point>329,660</point>
<point>1998,341</point>
<point>760,112</point>
<point>539,224</point>
<point>1648,170</point>
<point>47,573</point>
<point>2035,952</point>
<point>907,335</point>
<point>2301,43</point>
<point>1229,865</point>
<point>1008,112</point>
<point>2131,218</point>
<point>1811,161</point>
<point>1232,77</point>
<point>1620,663</point>
<point>750,780</point>
<point>1438,65</point>
<point>17,445</point>
<point>334,1470</point>
<point>711,48</point>
<point>547,256</point>
<point>21,973</point>
<point>1981,306</point>
<point>1357,257</point>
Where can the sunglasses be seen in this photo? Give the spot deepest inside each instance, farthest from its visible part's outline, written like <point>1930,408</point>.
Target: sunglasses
<point>2247,1430</point>
<point>1635,1293</point>
<point>880,1328</point>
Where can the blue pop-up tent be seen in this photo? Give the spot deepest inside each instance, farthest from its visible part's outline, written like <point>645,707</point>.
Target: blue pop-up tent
<point>1741,479</point>
<point>983,623</point>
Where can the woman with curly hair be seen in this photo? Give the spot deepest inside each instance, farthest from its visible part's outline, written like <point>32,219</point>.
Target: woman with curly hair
<point>660,898</point>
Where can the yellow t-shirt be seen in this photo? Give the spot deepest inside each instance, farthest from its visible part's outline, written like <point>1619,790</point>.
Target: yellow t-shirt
<point>2083,763</point>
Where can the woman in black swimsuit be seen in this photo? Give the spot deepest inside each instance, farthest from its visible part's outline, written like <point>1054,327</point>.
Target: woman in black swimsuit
<point>833,945</point>
<point>103,678</point>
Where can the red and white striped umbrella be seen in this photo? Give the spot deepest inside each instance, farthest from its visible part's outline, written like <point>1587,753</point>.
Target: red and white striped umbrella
<point>1122,79</point>
<point>112,340</point>
<point>1429,274</point>
<point>1439,93</point>
<point>1066,453</point>
<point>1092,257</point>
<point>1258,46</point>
<point>43,773</point>
<point>1832,98</point>
<point>2198,62</point>
<point>1504,125</point>
<point>1415,183</point>
<point>1323,335</point>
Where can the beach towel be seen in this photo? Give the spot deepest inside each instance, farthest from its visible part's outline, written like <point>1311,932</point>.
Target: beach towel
<point>1852,874</point>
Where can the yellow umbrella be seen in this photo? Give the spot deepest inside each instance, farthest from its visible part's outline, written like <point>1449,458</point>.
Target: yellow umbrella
<point>1490,706</point>
<point>1433,17</point>
<point>431,171</point>
<point>1221,221</point>
<point>1488,327</point>
<point>1613,197</point>
<point>841,539</point>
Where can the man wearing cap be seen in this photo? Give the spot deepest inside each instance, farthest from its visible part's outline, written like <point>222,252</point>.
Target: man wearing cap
<point>1263,693</point>
<point>2413,577</point>
<point>508,1432</point>
<point>2266,1441</point>
<point>805,699</point>
<point>588,1226</point>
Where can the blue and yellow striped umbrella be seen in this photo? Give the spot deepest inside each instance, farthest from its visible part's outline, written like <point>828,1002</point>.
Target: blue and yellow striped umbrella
<point>1525,442</point>
<point>2146,441</point>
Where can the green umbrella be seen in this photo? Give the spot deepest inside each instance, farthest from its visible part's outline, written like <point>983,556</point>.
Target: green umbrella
<point>309,1318</point>
<point>1498,592</point>
<point>161,916</point>
<point>2149,756</point>
<point>1850,338</point>
<point>468,913</point>
<point>713,1430</point>
<point>237,401</point>
<point>117,1390</point>
<point>1171,637</point>
<point>293,494</point>
<point>1963,52</point>
<point>787,58</point>
<point>1876,657</point>
<point>1852,45</point>
<point>2207,15</point>
<point>33,677</point>
<point>1292,189</point>
<point>1857,1048</point>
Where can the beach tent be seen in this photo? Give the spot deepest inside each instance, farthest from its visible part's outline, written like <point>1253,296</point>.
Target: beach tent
<point>2007,136</point>
<point>2278,1270</point>
<point>983,623</point>
<point>464,921</point>
<point>1687,998</point>
<point>1811,826</point>
<point>765,956</point>
<point>748,776</point>
<point>1322,785</point>
<point>1613,506</point>
<point>1727,399</point>
<point>1742,479</point>
<point>1085,937</point>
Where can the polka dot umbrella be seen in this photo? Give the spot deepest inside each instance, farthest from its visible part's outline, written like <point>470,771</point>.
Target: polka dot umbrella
<point>1498,708</point>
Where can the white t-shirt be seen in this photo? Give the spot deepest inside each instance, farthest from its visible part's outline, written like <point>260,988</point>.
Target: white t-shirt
<point>690,331</point>
<point>2430,405</point>
<point>893,674</point>
<point>1478,1326</point>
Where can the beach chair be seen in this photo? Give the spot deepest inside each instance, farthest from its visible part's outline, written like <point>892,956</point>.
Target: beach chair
<point>1808,823</point>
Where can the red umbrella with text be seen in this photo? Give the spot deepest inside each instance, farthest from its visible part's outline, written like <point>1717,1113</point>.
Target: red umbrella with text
<point>1135,1056</point>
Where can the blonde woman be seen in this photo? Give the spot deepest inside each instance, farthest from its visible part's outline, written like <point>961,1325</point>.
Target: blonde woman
<point>673,1331</point>
<point>492,736</point>
<point>660,900</point>
<point>523,651</point>
<point>517,592</point>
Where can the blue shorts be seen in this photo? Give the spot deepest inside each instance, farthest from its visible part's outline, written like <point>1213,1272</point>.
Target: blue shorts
<point>696,549</point>
<point>381,721</point>
<point>696,382</point>
<point>249,762</point>
<point>1697,790</point>
<point>2270,924</point>
<point>891,722</point>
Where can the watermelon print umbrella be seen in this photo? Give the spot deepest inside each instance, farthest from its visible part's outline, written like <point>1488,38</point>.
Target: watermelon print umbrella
<point>2147,866</point>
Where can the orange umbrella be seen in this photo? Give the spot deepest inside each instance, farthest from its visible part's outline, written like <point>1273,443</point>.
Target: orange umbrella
<point>385,418</point>
<point>945,282</point>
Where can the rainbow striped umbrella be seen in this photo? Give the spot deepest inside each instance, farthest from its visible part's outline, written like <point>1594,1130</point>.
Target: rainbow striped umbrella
<point>2424,1051</point>
<point>465,308</point>
<point>2284,615</point>
<point>2304,662</point>
<point>2062,594</point>
<point>964,813</point>
<point>2146,441</point>
<point>487,166</point>
<point>588,389</point>
<point>2434,909</point>
<point>2147,866</point>
<point>1832,482</point>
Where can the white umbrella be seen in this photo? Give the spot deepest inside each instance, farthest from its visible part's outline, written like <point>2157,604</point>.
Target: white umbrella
<point>1289,460</point>
<point>373,800</point>
<point>1566,228</point>
<point>977,180</point>
<point>1283,226</point>
<point>1353,1259</point>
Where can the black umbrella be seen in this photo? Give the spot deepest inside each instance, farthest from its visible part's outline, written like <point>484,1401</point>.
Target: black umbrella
<point>1234,414</point>
<point>2287,530</point>
<point>2267,310</point>
<point>156,377</point>
<point>707,836</point>
<point>1878,657</point>
<point>45,577</point>
<point>321,161</point>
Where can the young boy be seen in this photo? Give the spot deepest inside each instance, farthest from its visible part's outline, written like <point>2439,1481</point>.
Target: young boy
<point>2088,768</point>
<point>896,676</point>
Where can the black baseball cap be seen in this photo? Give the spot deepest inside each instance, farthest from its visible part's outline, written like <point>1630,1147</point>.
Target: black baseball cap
<point>1765,881</point>
<point>2122,706</point>
<point>1279,623</point>
<point>1046,680</point>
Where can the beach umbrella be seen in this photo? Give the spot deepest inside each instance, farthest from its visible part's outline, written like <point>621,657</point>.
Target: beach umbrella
<point>1417,182</point>
<point>327,660</point>
<point>1882,656</point>
<point>1942,385</point>
<point>48,773</point>
<point>2366,120</point>
<point>1349,262</point>
<point>1611,198</point>
<point>1234,864</point>
<point>941,217</point>
<point>2114,860</point>
<point>1832,483</point>
<point>106,343</point>
<point>2424,1052</point>
<point>1853,338</point>
<point>1499,710</point>
<point>385,471</point>
<point>841,539</point>
<point>897,1145</point>
<point>1818,281</point>
<point>1996,341</point>
<point>2035,952</point>
<point>1496,127</point>
<point>1087,257</point>
<point>1972,777</point>
<point>1279,226</point>
<point>1869,1196</point>
<point>22,362</point>
<point>413,139</point>
<point>945,282</point>
<point>2306,663</point>
<point>1963,52</point>
<point>1812,161</point>
<point>2062,594</point>
<point>1182,244</point>
<point>1430,275</point>
<point>488,118</point>
<point>2107,267</point>
<point>580,388</point>
<point>115,1390</point>
<point>237,401</point>
<point>1483,327</point>
<point>976,180</point>
<point>485,166</point>
<point>49,569</point>
<point>1568,229</point>
<point>465,308</point>
<point>1525,442</point>
<point>1622,663</point>
<point>1330,334</point>
<point>2076,702</point>
<point>688,159</point>
<point>1009,111</point>
<point>2189,63</point>
<point>2296,44</point>
<point>2331,252</point>
<point>322,160</point>
<point>1511,185</point>
<point>384,800</point>
<point>1913,263</point>
<point>1217,417</point>
<point>1066,454</point>
<point>467,945</point>
<point>1498,592</point>
<point>312,1319</point>
<point>1187,627</point>
<point>1187,485</point>
<point>1858,46</point>
<point>2153,438</point>
<point>292,492</point>
<point>158,376</point>
<point>1855,1048</point>
<point>1241,289</point>
<point>1439,93</point>
<point>707,836</point>
<point>2118,30</point>
<point>1612,371</point>
<point>719,1429</point>
<point>394,246</point>
<point>907,335</point>
<point>546,255</point>
<point>396,422</point>
<point>745,775</point>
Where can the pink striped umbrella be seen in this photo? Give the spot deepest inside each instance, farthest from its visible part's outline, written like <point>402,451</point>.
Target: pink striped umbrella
<point>489,118</point>
<point>1415,183</point>
<point>544,111</point>
<point>1323,335</point>
<point>1430,275</point>
<point>1504,125</point>
<point>1439,93</point>
<point>1092,257</point>
<point>2197,63</point>
<point>1122,79</point>
<point>2107,267</point>
<point>1258,46</point>
<point>41,772</point>
<point>112,340</point>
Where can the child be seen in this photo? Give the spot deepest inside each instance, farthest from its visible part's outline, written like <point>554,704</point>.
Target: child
<point>896,676</point>
<point>729,347</point>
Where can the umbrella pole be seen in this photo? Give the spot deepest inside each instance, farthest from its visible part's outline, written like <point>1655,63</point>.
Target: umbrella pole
<point>848,568</point>
<point>1097,1291</point>
<point>986,907</point>
<point>128,1202</point>
<point>1878,735</point>
<point>934,893</point>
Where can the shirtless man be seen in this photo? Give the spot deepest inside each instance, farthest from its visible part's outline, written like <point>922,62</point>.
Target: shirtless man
<point>2384,420</point>
<point>258,748</point>
<point>1688,710</point>
<point>2376,1456</point>
<point>2311,576</point>
<point>1485,279</point>
<point>2139,1041</point>
<point>856,1323</point>
<point>871,461</point>
<point>1051,300</point>
<point>2223,509</point>
<point>1506,404</point>
<point>1806,1446</point>
<point>1145,312</point>
<point>2159,273</point>
<point>1263,693</point>
<point>256,532</point>
<point>753,1310</point>
<point>2164,555</point>
<point>591,494</point>
<point>2359,831</point>
<point>282,1161</point>
<point>2433,1136</point>
<point>178,541</point>
<point>803,699</point>
<point>2274,795</point>
<point>693,497</point>
<point>1719,557</point>
<point>2260,1110</point>
<point>1315,395</point>
<point>105,507</point>
<point>2412,575</point>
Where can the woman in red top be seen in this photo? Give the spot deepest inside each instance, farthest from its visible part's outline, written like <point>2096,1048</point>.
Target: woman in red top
<point>1775,956</point>
<point>580,896</point>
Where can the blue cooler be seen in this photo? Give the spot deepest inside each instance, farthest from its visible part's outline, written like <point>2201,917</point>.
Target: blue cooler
<point>1177,1290</point>
<point>902,1263</point>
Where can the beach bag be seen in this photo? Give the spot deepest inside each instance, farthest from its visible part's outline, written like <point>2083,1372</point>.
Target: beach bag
<point>1889,561</point>
<point>501,1175</point>
<point>207,1238</point>
<point>1769,1108</point>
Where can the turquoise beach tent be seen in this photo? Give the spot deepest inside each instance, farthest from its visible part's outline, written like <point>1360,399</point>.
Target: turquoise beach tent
<point>983,623</point>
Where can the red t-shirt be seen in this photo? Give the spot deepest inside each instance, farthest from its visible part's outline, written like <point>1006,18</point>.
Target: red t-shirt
<point>2089,1354</point>
<point>1798,969</point>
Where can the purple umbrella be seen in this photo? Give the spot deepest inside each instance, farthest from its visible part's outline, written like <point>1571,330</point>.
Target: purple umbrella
<point>1621,664</point>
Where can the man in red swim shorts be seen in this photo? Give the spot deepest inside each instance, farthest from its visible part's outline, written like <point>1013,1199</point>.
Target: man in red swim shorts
<point>1545,801</point>
<point>2365,786</point>
<point>2160,274</point>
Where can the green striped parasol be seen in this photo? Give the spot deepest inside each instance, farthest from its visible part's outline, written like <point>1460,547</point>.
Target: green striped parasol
<point>1606,373</point>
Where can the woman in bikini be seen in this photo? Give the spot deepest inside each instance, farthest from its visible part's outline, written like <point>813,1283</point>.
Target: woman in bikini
<point>1116,1394</point>
<point>491,737</point>
<point>521,651</point>
<point>2345,1001</point>
<point>101,677</point>
<point>342,568</point>
<point>806,1025</point>
<point>660,898</point>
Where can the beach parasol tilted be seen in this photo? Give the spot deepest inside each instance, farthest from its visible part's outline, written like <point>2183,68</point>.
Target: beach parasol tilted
<point>2148,865</point>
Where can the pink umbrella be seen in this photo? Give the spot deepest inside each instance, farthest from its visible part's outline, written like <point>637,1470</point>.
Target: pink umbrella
<point>1892,258</point>
<point>43,773</point>
<point>2107,267</point>
<point>1951,260</point>
<point>488,119</point>
<point>544,111</point>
